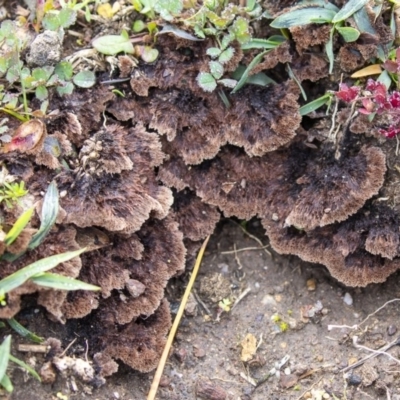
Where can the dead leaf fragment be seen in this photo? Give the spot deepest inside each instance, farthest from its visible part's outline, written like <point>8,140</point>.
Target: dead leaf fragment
<point>249,347</point>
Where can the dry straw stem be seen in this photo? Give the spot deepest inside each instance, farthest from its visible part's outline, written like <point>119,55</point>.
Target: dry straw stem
<point>164,356</point>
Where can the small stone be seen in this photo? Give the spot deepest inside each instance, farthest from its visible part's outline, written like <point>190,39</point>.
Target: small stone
<point>354,380</point>
<point>287,371</point>
<point>164,381</point>
<point>307,395</point>
<point>46,49</point>
<point>283,345</point>
<point>198,352</point>
<point>278,298</point>
<point>275,217</point>
<point>288,381</point>
<point>47,373</point>
<point>209,391</point>
<point>311,284</point>
<point>320,358</point>
<point>180,354</point>
<point>268,300</point>
<point>391,330</point>
<point>348,299</point>
<point>351,361</point>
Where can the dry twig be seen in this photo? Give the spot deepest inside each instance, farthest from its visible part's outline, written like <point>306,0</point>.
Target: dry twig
<point>174,328</point>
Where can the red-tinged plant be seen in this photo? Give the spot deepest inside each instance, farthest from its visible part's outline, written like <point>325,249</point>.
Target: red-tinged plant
<point>376,100</point>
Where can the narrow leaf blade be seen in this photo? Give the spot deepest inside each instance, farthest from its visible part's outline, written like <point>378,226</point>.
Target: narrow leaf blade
<point>4,355</point>
<point>18,226</point>
<point>18,278</point>
<point>303,16</point>
<point>60,282</point>
<point>25,366</point>
<point>49,215</point>
<point>348,10</point>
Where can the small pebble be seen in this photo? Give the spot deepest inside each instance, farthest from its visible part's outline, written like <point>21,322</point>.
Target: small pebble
<point>257,285</point>
<point>268,300</point>
<point>307,395</point>
<point>116,395</point>
<point>320,358</point>
<point>354,380</point>
<point>311,284</point>
<point>352,360</point>
<point>283,345</point>
<point>391,330</point>
<point>287,371</point>
<point>348,299</point>
<point>278,298</point>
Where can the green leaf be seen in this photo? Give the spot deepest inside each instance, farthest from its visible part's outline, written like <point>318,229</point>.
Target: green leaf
<point>329,50</point>
<point>21,276</point>
<point>39,74</point>
<point>21,330</point>
<point>206,81</point>
<point>41,93</point>
<point>66,88</point>
<point>179,33</point>
<point>51,21</point>
<point>263,43</point>
<point>18,227</point>
<point>64,70</point>
<point>49,215</point>
<point>60,282</point>
<point>303,16</point>
<point>149,54</point>
<point>84,79</point>
<point>216,69</point>
<point>6,383</point>
<point>25,366</point>
<point>349,34</point>
<point>226,55</point>
<point>168,8</point>
<point>111,45</point>
<point>3,65</point>
<point>213,52</point>
<point>315,104</point>
<point>67,17</point>
<point>260,79</point>
<point>138,26</point>
<point>229,83</point>
<point>256,60</point>
<point>4,355</point>
<point>226,39</point>
<point>384,78</point>
<point>240,28</point>
<point>348,10</point>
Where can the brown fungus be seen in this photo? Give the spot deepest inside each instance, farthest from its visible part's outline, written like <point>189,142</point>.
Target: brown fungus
<point>163,256</point>
<point>344,247</point>
<point>333,190</point>
<point>196,219</point>
<point>113,184</point>
<point>138,344</point>
<point>263,119</point>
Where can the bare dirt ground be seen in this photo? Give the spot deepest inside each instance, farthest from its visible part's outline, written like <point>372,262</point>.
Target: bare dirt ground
<point>287,311</point>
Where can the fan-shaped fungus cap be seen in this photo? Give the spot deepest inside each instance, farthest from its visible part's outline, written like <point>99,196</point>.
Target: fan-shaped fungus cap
<point>344,247</point>
<point>196,219</point>
<point>139,343</point>
<point>263,119</point>
<point>113,185</point>
<point>333,190</point>
<point>163,256</point>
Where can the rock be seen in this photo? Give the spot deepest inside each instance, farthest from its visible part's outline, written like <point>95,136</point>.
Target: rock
<point>208,391</point>
<point>348,299</point>
<point>47,373</point>
<point>391,330</point>
<point>46,49</point>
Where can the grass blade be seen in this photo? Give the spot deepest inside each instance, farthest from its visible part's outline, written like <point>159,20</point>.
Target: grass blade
<point>303,16</point>
<point>18,227</point>
<point>349,9</point>
<point>25,366</point>
<point>49,215</point>
<point>4,355</point>
<point>256,60</point>
<point>18,278</point>
<point>60,282</point>
<point>7,384</point>
<point>21,330</point>
<point>329,50</point>
<point>315,104</point>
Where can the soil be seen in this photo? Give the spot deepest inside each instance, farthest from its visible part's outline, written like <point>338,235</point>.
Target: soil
<point>207,352</point>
